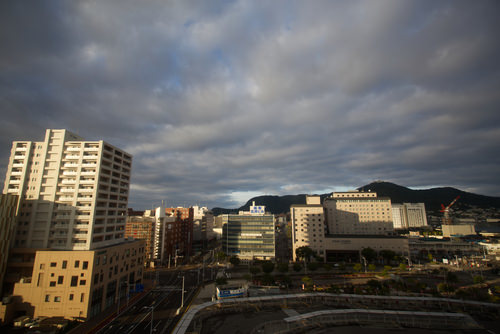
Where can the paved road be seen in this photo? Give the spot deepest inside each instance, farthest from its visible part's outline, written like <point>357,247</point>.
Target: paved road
<point>163,301</point>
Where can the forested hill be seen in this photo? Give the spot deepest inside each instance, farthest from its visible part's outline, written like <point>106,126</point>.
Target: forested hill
<point>432,198</point>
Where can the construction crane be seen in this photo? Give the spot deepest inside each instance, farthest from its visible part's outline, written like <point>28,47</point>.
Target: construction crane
<point>446,211</point>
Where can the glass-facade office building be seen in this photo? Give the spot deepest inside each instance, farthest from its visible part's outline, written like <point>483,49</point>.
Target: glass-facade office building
<point>249,236</point>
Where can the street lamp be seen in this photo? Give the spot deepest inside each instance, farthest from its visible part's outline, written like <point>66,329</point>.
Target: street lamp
<point>182,298</point>
<point>152,308</point>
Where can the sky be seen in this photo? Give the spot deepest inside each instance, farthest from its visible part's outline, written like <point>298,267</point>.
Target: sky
<point>220,101</point>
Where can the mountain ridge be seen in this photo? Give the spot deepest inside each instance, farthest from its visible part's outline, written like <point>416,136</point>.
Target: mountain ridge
<point>433,198</point>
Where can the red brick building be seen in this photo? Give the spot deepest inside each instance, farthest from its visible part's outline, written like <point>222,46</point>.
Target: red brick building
<point>183,230</point>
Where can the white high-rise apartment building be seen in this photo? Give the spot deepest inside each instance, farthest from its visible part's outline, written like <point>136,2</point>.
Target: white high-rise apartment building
<point>73,193</point>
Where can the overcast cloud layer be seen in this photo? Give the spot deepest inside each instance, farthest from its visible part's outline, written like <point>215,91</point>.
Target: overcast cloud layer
<point>221,100</point>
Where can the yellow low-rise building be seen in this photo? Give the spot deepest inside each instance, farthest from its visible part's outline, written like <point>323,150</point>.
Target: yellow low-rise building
<point>80,284</point>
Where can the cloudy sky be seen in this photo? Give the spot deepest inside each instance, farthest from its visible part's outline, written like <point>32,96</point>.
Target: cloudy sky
<point>219,101</point>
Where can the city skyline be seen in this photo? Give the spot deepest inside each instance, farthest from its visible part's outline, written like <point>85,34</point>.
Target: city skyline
<point>223,101</point>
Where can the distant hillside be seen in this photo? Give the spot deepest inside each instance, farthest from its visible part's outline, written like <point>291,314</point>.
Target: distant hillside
<point>433,198</point>
<point>398,194</point>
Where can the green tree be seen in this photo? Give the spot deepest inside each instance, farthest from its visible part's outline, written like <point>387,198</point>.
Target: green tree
<point>402,266</point>
<point>357,267</point>
<point>369,253</point>
<point>372,267</point>
<point>283,267</point>
<point>234,260</point>
<point>297,267</point>
<point>267,267</point>
<point>304,252</point>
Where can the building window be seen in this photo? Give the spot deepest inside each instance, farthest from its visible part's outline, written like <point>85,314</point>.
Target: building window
<point>83,282</point>
<point>70,296</point>
<point>74,280</point>
<point>42,266</point>
<point>53,264</point>
<point>77,264</point>
<point>60,279</point>
<point>52,283</point>
<point>57,299</point>
<point>47,298</point>
<point>64,264</point>
<point>82,297</point>
<point>85,264</point>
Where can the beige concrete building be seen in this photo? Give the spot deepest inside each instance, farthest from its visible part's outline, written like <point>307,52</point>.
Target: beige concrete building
<point>409,215</point>
<point>358,213</point>
<point>8,210</point>
<point>79,284</point>
<point>308,225</point>
<point>311,229</point>
<point>73,193</point>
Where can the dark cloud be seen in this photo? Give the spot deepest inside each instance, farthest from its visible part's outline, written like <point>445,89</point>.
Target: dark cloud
<point>221,100</point>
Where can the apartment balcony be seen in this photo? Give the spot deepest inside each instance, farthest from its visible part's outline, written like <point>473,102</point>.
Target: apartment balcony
<point>87,181</point>
<point>83,217</point>
<point>19,157</point>
<point>80,235</point>
<point>70,165</point>
<point>67,190</point>
<point>63,216</point>
<point>65,198</point>
<point>88,173</point>
<point>69,173</point>
<point>21,149</point>
<point>90,157</point>
<point>14,181</point>
<point>68,181</point>
<point>87,199</point>
<point>13,190</point>
<point>60,226</point>
<point>86,190</point>
<point>16,173</point>
<point>18,165</point>
<point>73,149</point>
<point>91,149</point>
<point>89,164</point>
<point>60,236</point>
